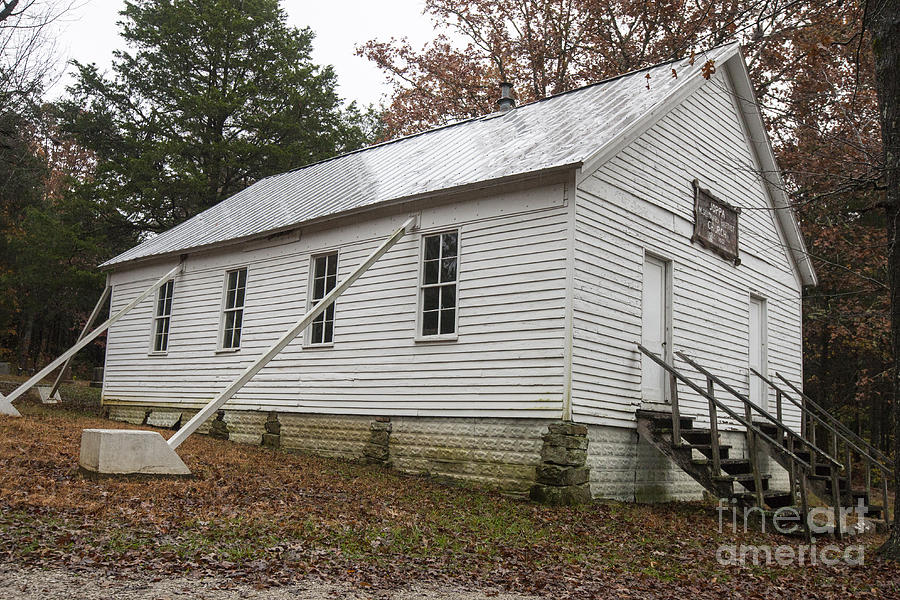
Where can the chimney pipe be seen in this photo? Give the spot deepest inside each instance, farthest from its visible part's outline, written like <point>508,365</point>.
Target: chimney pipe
<point>506,101</point>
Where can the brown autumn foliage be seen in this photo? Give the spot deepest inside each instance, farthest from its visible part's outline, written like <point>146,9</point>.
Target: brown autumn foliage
<point>267,517</point>
<point>811,64</point>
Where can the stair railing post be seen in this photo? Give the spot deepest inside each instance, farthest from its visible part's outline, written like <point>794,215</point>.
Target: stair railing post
<point>849,469</point>
<point>804,504</point>
<point>885,475</point>
<point>793,473</point>
<point>868,482</point>
<point>676,412</point>
<point>778,405</point>
<point>812,440</point>
<point>754,458</point>
<point>836,489</point>
<point>713,429</point>
<point>804,417</point>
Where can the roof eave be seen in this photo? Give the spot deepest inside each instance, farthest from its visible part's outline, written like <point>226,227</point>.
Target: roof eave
<point>769,171</point>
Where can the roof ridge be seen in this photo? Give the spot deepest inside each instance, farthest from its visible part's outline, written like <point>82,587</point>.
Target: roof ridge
<point>491,114</point>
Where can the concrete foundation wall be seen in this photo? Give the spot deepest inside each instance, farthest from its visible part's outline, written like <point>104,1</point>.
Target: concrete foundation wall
<point>627,468</point>
<point>488,452</point>
<point>500,453</point>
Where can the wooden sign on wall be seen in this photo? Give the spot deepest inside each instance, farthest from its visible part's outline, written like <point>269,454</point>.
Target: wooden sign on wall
<point>715,224</point>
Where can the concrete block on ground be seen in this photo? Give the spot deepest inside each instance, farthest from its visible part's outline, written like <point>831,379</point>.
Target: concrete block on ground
<point>4,368</point>
<point>128,452</point>
<point>6,408</point>
<point>46,398</point>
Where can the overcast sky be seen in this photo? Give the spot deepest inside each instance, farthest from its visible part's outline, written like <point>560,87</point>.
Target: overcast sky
<point>89,34</point>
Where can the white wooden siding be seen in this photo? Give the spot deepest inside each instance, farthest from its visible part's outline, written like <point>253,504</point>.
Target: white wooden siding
<point>641,201</point>
<point>508,360</point>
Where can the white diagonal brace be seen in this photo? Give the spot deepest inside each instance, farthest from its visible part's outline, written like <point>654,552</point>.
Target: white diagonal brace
<point>91,336</point>
<point>87,327</point>
<point>207,411</point>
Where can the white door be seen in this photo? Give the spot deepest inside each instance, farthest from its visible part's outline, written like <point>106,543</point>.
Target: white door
<point>758,393</point>
<point>654,329</point>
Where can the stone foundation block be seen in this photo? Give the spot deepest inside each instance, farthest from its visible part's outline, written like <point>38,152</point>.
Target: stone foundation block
<point>377,450</point>
<point>562,478</point>
<point>557,475</point>
<point>567,429</point>
<point>272,426</point>
<point>566,441</point>
<point>218,429</point>
<point>563,456</point>
<point>381,438</point>
<point>136,415</point>
<point>165,419</point>
<point>561,495</point>
<point>375,453</point>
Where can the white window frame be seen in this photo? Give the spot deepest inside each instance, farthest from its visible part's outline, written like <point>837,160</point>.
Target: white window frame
<point>167,290</point>
<point>311,302</point>
<point>421,286</point>
<point>223,312</point>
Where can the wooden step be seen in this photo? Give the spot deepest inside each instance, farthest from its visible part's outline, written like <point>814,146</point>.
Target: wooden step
<point>663,420</point>
<point>842,484</point>
<point>697,436</point>
<point>823,470</point>
<point>747,480</point>
<point>731,466</point>
<point>767,427</point>
<point>706,449</point>
<point>774,498</point>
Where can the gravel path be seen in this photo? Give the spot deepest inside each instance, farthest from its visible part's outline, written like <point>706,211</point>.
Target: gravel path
<point>57,584</point>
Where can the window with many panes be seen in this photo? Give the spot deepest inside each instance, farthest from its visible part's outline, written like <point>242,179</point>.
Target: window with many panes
<point>233,311</point>
<point>324,279</point>
<point>438,289</point>
<point>163,317</point>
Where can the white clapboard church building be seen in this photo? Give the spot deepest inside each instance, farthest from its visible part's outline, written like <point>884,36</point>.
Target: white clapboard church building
<point>500,340</point>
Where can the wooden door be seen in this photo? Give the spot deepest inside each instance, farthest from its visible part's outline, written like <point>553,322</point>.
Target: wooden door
<point>654,328</point>
<point>757,346</point>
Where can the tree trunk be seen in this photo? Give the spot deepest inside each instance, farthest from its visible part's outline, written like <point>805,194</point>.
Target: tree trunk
<point>884,23</point>
<point>24,349</point>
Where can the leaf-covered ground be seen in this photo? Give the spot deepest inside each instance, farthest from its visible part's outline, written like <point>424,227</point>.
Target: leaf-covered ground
<point>270,518</point>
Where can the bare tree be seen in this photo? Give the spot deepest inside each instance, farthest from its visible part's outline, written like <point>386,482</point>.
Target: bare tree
<point>28,57</point>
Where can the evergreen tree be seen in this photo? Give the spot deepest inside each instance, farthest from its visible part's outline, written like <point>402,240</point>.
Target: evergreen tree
<point>212,96</point>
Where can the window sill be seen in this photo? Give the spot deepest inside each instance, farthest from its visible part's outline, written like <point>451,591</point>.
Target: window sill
<point>227,350</point>
<point>428,339</point>
<point>158,353</point>
<point>327,346</point>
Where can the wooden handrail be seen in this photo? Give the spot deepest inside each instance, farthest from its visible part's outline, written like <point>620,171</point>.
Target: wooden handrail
<point>747,402</point>
<point>799,405</point>
<point>731,413</point>
<point>847,431</point>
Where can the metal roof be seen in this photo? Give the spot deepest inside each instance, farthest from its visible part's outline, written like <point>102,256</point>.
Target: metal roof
<point>565,129</point>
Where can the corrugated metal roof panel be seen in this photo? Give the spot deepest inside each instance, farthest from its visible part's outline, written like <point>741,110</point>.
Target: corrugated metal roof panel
<point>560,130</point>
